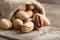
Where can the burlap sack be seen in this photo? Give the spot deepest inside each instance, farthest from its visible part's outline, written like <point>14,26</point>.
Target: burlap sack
<point>8,7</point>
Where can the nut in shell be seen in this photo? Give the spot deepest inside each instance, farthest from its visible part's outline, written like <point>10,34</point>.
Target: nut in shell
<point>22,15</point>
<point>45,20</point>
<point>27,27</point>
<point>5,23</point>
<point>17,23</point>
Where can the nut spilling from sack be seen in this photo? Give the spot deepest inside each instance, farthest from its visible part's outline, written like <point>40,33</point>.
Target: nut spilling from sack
<point>26,18</point>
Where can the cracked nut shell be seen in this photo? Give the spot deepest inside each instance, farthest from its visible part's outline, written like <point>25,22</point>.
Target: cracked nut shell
<point>27,27</point>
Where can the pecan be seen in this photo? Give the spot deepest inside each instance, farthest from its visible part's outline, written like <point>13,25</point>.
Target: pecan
<point>38,22</point>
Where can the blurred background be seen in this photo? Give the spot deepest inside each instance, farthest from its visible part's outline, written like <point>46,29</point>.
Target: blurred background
<point>50,1</point>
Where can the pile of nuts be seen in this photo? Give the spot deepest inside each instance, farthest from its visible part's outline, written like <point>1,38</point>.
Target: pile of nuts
<point>26,18</point>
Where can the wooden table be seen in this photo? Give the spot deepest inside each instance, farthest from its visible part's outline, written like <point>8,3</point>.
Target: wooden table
<point>45,33</point>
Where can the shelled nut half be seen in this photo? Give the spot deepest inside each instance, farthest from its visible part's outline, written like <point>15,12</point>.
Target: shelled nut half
<point>27,27</point>
<point>17,23</point>
<point>5,23</point>
<point>22,15</point>
<point>45,20</point>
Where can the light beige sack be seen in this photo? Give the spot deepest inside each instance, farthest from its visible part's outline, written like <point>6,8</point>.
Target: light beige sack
<point>8,7</point>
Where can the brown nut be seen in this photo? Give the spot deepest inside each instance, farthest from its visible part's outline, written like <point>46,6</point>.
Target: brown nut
<point>45,20</point>
<point>5,24</point>
<point>30,13</point>
<point>38,22</point>
<point>22,7</point>
<point>30,6</point>
<point>27,27</point>
<point>17,23</point>
<point>22,15</point>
